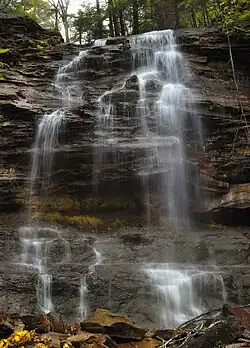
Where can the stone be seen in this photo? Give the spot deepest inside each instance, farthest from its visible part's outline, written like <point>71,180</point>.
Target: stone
<point>5,331</point>
<point>226,189</point>
<point>224,181</point>
<point>222,332</point>
<point>52,322</point>
<point>238,345</point>
<point>54,338</point>
<point>145,343</point>
<point>116,325</point>
<point>90,340</point>
<point>240,313</point>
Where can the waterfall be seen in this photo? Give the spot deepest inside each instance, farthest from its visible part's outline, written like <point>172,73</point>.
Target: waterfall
<point>163,107</point>
<point>163,110</point>
<point>184,293</point>
<point>157,61</point>
<point>83,303</point>
<point>43,149</point>
<point>34,245</point>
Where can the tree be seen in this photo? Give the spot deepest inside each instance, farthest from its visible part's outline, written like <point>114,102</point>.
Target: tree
<point>60,8</point>
<point>88,23</point>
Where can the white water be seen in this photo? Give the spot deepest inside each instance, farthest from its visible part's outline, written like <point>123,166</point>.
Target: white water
<point>36,255</point>
<point>42,152</point>
<point>184,293</point>
<point>159,68</point>
<point>83,301</point>
<point>156,59</point>
<point>34,248</point>
<point>83,290</point>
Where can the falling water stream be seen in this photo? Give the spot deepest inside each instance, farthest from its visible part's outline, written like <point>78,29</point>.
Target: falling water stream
<point>183,293</point>
<point>159,68</point>
<point>35,240</point>
<point>157,65</point>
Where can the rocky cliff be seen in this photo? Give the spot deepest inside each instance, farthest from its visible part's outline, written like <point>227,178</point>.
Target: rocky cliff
<point>30,58</point>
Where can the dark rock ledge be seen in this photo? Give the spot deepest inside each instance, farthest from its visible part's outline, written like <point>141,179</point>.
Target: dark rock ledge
<point>27,69</point>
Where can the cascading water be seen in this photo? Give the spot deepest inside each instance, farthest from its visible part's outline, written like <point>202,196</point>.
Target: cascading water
<point>184,293</point>
<point>83,304</point>
<point>157,62</point>
<point>159,70</point>
<point>35,246</point>
<point>43,149</point>
<point>164,112</point>
<point>83,290</point>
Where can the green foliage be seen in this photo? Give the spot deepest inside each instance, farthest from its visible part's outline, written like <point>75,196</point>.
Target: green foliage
<point>76,220</point>
<point>39,10</point>
<point>123,17</point>
<point>4,50</point>
<point>86,23</point>
<point>235,15</point>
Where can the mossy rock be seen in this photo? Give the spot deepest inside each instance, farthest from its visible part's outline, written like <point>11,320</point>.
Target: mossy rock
<point>5,123</point>
<point>4,50</point>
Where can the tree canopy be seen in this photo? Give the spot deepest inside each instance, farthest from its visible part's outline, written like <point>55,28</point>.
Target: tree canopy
<point>125,17</point>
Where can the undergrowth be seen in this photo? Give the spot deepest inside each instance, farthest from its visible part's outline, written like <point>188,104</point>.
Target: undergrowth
<point>77,220</point>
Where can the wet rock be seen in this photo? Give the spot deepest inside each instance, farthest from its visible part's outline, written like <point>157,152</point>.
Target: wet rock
<point>238,345</point>
<point>90,340</point>
<point>54,338</point>
<point>51,322</point>
<point>164,334</point>
<point>5,331</point>
<point>145,343</point>
<point>240,313</point>
<point>116,325</point>
<point>221,332</point>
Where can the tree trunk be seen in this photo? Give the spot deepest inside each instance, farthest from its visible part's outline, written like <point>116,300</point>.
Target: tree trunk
<point>207,14</point>
<point>56,20</point>
<point>193,18</point>
<point>66,28</point>
<point>80,36</point>
<point>177,15</point>
<point>111,25</point>
<point>115,19</point>
<point>204,15</point>
<point>135,17</point>
<point>122,26</point>
<point>99,22</point>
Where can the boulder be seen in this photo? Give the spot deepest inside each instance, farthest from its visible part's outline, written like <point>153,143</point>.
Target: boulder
<point>115,325</point>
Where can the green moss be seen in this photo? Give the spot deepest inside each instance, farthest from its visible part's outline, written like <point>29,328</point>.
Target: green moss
<point>4,50</point>
<point>2,78</point>
<point>6,123</point>
<point>40,44</point>
<point>77,220</point>
<point>163,220</point>
<point>44,57</point>
<point>117,223</point>
<point>4,66</point>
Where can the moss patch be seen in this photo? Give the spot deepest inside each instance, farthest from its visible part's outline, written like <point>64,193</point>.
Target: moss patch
<point>76,220</point>
<point>4,50</point>
<point>6,123</point>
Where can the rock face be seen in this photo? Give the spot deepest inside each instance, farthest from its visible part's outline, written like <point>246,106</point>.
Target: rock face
<point>223,103</point>
<point>27,70</point>
<point>117,279</point>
